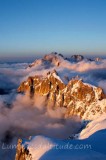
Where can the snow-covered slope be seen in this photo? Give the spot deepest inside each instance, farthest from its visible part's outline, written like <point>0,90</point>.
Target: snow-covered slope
<point>94,126</point>
<point>90,145</point>
<point>52,59</point>
<point>43,148</point>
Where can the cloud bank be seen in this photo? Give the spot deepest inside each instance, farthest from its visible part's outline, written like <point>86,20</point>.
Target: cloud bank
<point>32,116</point>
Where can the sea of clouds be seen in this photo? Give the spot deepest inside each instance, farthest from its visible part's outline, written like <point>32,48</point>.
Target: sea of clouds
<point>22,116</point>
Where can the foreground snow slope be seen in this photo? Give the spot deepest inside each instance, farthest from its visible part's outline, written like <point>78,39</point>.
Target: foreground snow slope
<point>98,124</point>
<point>42,148</point>
<point>91,148</point>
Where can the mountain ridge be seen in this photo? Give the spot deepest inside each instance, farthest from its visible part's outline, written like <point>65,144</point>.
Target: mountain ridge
<point>76,95</point>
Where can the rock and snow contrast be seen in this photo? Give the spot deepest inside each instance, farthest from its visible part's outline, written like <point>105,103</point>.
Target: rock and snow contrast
<point>60,91</point>
<point>89,145</point>
<point>43,148</point>
<point>56,97</point>
<point>77,97</point>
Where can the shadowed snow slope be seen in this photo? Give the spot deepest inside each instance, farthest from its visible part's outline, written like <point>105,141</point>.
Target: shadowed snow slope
<point>42,148</point>
<point>93,147</point>
<point>93,126</point>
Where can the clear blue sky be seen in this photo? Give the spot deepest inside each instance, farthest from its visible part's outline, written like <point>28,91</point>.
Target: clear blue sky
<point>43,26</point>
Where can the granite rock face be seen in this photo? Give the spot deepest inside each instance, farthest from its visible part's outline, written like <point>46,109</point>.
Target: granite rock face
<point>22,153</point>
<point>77,97</point>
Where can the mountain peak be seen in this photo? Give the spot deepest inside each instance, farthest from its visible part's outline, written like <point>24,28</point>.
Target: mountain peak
<point>77,58</point>
<point>77,97</point>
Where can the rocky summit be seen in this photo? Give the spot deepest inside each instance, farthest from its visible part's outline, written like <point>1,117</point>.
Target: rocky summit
<point>77,97</point>
<point>22,153</point>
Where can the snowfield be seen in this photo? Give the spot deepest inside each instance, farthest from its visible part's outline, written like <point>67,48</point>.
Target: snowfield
<point>42,148</point>
<point>90,145</point>
<point>94,126</point>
